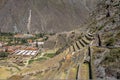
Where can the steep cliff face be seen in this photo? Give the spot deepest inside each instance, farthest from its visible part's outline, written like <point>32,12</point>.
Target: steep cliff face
<point>46,15</point>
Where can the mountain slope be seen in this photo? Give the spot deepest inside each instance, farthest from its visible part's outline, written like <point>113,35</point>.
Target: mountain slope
<point>46,15</point>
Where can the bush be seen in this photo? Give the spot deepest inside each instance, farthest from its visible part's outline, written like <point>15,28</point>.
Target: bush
<point>50,55</point>
<point>100,28</point>
<point>52,34</point>
<point>41,35</point>
<point>46,38</point>
<point>30,61</point>
<point>40,59</point>
<point>7,34</point>
<point>23,41</point>
<point>113,56</point>
<point>3,54</point>
<point>110,42</point>
<point>118,35</point>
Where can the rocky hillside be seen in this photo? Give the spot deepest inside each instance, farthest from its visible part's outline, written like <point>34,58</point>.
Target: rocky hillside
<point>44,15</point>
<point>106,56</point>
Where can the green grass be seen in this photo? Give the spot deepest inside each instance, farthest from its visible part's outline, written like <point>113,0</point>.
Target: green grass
<point>50,55</point>
<point>100,28</point>
<point>38,59</point>
<point>30,61</point>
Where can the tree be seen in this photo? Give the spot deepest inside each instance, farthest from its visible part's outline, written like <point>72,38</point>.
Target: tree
<point>23,41</point>
<point>110,42</point>
<point>36,44</point>
<point>3,54</point>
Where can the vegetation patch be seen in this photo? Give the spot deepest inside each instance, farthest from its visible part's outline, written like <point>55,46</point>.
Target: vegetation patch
<point>113,57</point>
<point>110,42</point>
<point>100,28</point>
<point>118,35</point>
<point>30,61</point>
<point>38,59</point>
<point>6,34</point>
<point>50,55</point>
<point>3,55</point>
<point>97,49</point>
<point>41,35</point>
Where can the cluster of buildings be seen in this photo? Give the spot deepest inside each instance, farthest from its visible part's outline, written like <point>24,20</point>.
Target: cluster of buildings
<point>26,52</point>
<point>20,50</point>
<point>31,49</point>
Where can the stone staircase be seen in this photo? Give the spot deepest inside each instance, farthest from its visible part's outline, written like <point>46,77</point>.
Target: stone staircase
<point>81,43</point>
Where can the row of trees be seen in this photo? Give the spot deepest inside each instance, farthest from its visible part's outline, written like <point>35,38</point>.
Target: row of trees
<point>3,54</point>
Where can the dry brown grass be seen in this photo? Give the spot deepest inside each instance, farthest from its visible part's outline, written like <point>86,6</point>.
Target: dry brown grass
<point>73,73</point>
<point>4,73</point>
<point>84,72</point>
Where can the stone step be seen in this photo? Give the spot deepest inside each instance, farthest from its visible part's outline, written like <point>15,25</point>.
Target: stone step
<point>89,34</point>
<point>86,41</point>
<point>75,47</point>
<point>71,49</point>
<point>78,44</point>
<point>88,37</point>
<point>82,43</point>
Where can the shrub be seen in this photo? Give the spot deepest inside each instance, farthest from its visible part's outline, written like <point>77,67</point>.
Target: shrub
<point>46,38</point>
<point>3,54</point>
<point>30,61</point>
<point>113,56</point>
<point>50,55</point>
<point>41,35</point>
<point>100,28</point>
<point>40,59</point>
<point>23,41</point>
<point>118,35</point>
<point>110,42</point>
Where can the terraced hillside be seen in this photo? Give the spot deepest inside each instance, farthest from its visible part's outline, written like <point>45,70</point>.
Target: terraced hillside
<point>63,64</point>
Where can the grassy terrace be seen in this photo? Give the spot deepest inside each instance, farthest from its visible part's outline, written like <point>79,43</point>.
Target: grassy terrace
<point>46,56</point>
<point>4,73</point>
<point>50,55</point>
<point>53,62</point>
<point>84,72</point>
<point>38,59</point>
<point>72,73</point>
<point>41,63</point>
